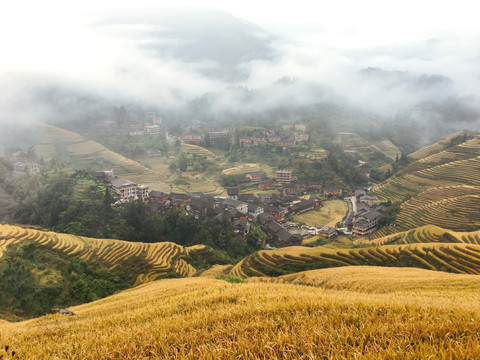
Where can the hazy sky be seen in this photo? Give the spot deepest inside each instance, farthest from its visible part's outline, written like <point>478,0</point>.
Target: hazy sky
<point>324,41</point>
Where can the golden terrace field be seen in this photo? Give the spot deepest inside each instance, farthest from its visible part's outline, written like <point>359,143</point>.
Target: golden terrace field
<point>199,318</point>
<point>440,188</point>
<point>163,258</point>
<point>428,247</point>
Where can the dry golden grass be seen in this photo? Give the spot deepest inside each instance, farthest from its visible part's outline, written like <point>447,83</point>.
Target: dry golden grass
<point>216,270</point>
<point>200,318</point>
<point>382,280</point>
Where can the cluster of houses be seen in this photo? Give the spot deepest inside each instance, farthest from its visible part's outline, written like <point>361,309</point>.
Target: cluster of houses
<point>213,136</point>
<point>21,165</point>
<point>151,125</point>
<point>281,180</point>
<point>285,181</point>
<point>269,211</point>
<point>285,141</point>
<point>365,219</point>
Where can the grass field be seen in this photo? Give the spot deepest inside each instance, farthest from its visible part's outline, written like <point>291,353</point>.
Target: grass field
<point>349,313</point>
<point>329,214</point>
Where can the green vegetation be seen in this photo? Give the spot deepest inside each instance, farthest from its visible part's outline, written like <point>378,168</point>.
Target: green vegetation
<point>76,204</point>
<point>33,280</point>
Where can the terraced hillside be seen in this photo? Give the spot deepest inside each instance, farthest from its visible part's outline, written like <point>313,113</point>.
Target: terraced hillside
<point>434,148</point>
<point>78,151</point>
<point>349,313</point>
<point>428,234</point>
<point>428,247</point>
<point>376,153</point>
<point>440,188</point>
<point>163,258</point>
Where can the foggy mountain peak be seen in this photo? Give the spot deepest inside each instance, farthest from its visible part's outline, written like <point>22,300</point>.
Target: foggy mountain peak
<point>217,40</point>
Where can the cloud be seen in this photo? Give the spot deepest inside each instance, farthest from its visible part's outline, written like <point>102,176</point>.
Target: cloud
<point>231,65</point>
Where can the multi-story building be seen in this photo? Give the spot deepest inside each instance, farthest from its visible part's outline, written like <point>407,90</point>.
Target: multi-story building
<point>287,142</point>
<point>300,136</point>
<point>219,137</point>
<point>136,129</point>
<point>365,223</point>
<point>127,190</point>
<point>284,176</point>
<point>246,141</point>
<point>369,200</point>
<point>142,192</point>
<point>192,139</point>
<point>26,168</point>
<point>152,129</point>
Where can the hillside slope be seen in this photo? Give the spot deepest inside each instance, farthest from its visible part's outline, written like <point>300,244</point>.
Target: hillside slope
<point>78,151</point>
<point>42,270</point>
<point>161,258</point>
<point>200,318</point>
<point>429,248</point>
<point>441,187</point>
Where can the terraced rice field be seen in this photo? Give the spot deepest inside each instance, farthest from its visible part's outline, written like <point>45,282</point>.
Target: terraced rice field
<point>427,247</point>
<point>197,150</point>
<point>429,234</point>
<point>434,148</point>
<point>453,207</point>
<point>441,188</point>
<point>163,258</point>
<point>242,169</point>
<point>367,149</point>
<point>388,148</point>
<point>74,146</point>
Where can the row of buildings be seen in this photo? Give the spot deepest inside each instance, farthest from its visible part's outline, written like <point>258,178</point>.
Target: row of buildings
<point>287,182</point>
<point>212,137</point>
<point>285,141</point>
<point>269,211</point>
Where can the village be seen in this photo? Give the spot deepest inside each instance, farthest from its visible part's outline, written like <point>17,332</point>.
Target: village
<point>272,207</point>
<point>272,212</point>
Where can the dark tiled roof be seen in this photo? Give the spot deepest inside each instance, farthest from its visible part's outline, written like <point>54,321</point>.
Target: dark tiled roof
<point>155,193</point>
<point>121,182</point>
<point>232,191</point>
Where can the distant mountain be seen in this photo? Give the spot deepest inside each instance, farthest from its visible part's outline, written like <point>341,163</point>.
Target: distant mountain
<point>219,42</point>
